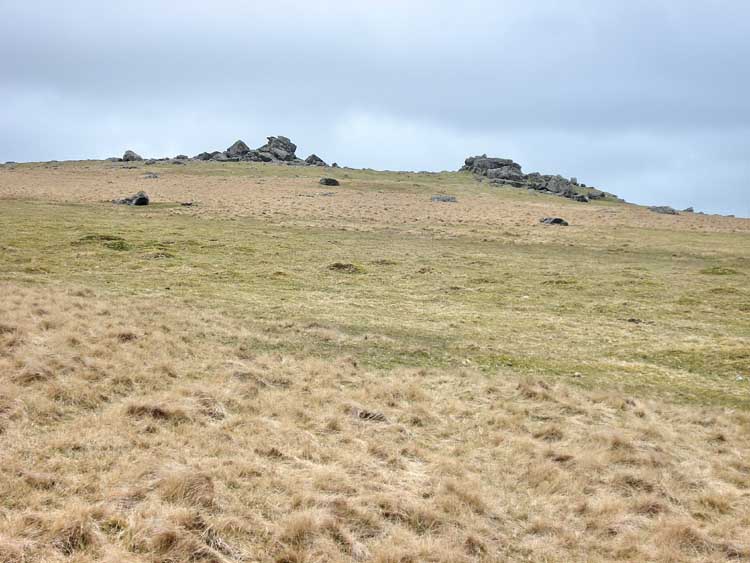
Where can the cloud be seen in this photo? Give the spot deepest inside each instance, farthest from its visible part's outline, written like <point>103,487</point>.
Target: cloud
<point>645,98</point>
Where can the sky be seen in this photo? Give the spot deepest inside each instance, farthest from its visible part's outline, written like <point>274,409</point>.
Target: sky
<point>648,99</point>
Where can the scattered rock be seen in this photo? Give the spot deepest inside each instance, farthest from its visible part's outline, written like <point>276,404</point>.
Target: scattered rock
<point>110,159</point>
<point>368,415</point>
<point>150,175</point>
<point>329,182</point>
<point>444,198</point>
<point>138,199</point>
<point>206,155</point>
<point>554,221</point>
<point>150,162</point>
<point>180,162</point>
<point>181,157</point>
<point>315,160</point>
<point>334,165</point>
<point>131,156</point>
<point>186,203</point>
<point>688,210</point>
<point>663,209</point>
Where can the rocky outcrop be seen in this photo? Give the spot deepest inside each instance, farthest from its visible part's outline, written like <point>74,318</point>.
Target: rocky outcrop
<point>131,156</point>
<point>277,149</point>
<point>505,172</point>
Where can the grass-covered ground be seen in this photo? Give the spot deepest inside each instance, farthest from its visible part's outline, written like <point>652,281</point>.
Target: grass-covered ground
<point>286,371</point>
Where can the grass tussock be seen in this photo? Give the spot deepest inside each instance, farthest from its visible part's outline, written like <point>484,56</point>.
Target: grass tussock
<point>301,458</point>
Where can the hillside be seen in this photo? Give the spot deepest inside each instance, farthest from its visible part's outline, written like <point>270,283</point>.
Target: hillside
<point>291,372</point>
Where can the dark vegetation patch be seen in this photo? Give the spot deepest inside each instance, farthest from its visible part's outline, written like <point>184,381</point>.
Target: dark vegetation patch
<point>346,268</point>
<point>719,271</point>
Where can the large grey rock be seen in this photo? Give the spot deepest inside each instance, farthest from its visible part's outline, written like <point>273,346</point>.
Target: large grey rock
<point>329,181</point>
<point>281,148</point>
<point>239,148</point>
<point>131,156</point>
<point>315,160</point>
<point>482,164</point>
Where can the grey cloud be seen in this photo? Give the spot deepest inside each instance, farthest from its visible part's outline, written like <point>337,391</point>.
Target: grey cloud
<point>647,99</point>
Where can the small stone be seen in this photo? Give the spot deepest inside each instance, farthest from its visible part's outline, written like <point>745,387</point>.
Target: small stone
<point>554,221</point>
<point>444,198</point>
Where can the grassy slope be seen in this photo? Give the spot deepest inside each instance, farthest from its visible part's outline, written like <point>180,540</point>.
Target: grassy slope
<point>442,311</point>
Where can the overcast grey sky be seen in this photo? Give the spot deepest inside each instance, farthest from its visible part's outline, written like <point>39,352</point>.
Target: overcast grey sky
<point>649,99</point>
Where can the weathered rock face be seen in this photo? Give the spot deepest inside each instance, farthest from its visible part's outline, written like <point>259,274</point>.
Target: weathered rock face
<point>315,160</point>
<point>131,156</point>
<point>503,171</point>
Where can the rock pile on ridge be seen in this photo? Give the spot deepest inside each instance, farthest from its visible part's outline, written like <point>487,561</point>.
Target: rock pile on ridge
<point>278,149</point>
<point>503,171</point>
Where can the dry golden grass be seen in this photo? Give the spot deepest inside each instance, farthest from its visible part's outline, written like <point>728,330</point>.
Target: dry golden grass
<point>267,408</point>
